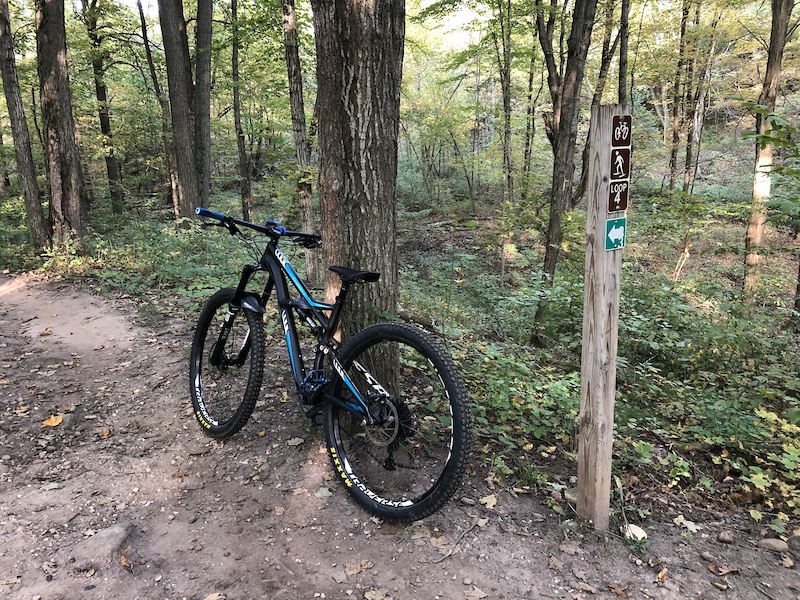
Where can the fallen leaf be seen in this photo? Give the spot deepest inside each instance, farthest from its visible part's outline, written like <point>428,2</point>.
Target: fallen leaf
<point>482,522</point>
<point>354,568</point>
<point>123,560</point>
<point>22,411</point>
<point>46,331</point>
<point>489,501</point>
<point>555,564</point>
<point>299,491</point>
<point>323,492</point>
<point>11,580</point>
<point>279,510</point>
<point>787,562</point>
<point>618,590</point>
<point>726,570</point>
<point>663,575</point>
<point>295,441</point>
<point>585,587</point>
<point>439,542</point>
<point>475,593</point>
<point>215,596</point>
<point>722,585</point>
<point>418,531</point>
<point>52,421</point>
<point>376,595</point>
<point>634,533</point>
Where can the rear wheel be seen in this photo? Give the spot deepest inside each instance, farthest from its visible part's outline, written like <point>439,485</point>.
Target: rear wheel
<point>411,462</point>
<point>226,365</point>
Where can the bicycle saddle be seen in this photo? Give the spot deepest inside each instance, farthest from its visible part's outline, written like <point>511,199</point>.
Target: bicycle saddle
<point>353,276</point>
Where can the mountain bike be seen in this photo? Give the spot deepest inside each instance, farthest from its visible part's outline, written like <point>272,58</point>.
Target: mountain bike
<point>391,401</point>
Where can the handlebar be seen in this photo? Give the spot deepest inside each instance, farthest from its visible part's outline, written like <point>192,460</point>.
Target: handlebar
<point>271,228</point>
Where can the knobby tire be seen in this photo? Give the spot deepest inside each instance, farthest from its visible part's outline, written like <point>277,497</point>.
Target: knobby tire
<point>224,395</point>
<point>408,466</point>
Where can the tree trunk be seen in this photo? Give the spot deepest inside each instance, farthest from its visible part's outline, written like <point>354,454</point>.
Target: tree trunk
<point>503,54</point>
<point>26,169</point>
<point>302,146</point>
<point>781,13</point>
<point>202,99</point>
<point>169,149</point>
<point>181,94</point>
<point>244,166</point>
<point>99,59</point>
<point>567,132</point>
<point>677,100</point>
<point>606,56</point>
<point>68,200</point>
<point>624,33</point>
<point>360,50</point>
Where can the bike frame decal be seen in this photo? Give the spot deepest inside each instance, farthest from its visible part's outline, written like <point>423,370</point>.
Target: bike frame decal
<point>297,282</point>
<point>374,383</point>
<point>294,358</point>
<point>351,386</point>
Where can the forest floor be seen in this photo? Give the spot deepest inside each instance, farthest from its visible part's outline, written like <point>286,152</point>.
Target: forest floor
<point>108,489</point>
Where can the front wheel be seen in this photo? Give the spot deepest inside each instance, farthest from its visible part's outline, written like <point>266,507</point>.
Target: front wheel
<point>226,365</point>
<point>412,460</point>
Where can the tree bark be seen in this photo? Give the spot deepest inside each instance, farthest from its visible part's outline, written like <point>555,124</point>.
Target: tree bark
<point>244,166</point>
<point>781,14</point>
<point>503,54</point>
<point>609,48</point>
<point>99,58</point>
<point>359,67</point>
<point>302,146</point>
<point>202,98</point>
<point>624,34</point>
<point>181,100</point>
<point>677,100</point>
<point>567,131</point>
<point>68,200</point>
<point>26,169</point>
<point>169,148</point>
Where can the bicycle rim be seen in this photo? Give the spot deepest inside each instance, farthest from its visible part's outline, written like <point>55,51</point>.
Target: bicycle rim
<point>406,467</point>
<point>225,382</point>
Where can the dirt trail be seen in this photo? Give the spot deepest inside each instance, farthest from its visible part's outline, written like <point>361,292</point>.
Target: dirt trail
<point>108,489</point>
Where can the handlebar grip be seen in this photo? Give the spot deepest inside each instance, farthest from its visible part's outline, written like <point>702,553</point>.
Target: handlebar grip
<point>204,212</point>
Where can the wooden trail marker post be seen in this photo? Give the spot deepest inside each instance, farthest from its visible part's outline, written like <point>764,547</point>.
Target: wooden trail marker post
<point>606,228</point>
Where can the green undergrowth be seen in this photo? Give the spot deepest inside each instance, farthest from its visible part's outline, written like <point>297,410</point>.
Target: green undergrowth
<point>708,390</point>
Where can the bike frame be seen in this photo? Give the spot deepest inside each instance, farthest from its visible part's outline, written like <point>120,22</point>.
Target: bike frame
<point>316,386</point>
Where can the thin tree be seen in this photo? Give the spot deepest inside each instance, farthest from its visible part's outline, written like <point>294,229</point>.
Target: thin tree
<point>302,146</point>
<point>68,199</point>
<point>678,107</point>
<point>190,100</point>
<point>562,125</point>
<point>166,138</point>
<point>26,169</point>
<point>359,68</point>
<point>779,33</point>
<point>245,189</point>
<point>91,12</point>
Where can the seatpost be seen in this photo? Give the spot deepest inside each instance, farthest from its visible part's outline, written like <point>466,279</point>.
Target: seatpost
<point>333,322</point>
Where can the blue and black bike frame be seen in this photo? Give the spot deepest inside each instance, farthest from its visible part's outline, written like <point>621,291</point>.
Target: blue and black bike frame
<point>315,387</point>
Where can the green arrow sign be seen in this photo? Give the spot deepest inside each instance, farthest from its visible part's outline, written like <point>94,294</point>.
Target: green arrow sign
<point>615,233</point>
